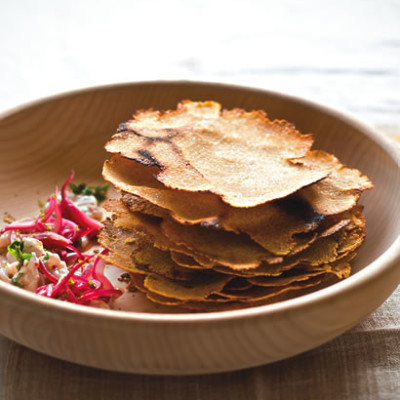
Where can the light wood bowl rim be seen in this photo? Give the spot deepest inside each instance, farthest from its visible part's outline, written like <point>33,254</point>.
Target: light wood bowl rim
<point>387,261</point>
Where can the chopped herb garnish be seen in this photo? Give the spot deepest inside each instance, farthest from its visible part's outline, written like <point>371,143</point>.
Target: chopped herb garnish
<point>16,249</point>
<point>100,192</point>
<point>26,256</point>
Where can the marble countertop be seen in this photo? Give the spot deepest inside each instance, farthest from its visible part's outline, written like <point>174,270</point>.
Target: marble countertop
<point>343,54</point>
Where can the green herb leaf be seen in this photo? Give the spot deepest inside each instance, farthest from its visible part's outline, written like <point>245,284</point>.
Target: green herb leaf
<point>77,189</point>
<point>26,256</point>
<point>16,249</point>
<point>100,192</point>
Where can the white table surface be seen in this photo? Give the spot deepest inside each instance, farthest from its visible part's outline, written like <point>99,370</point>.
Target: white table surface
<point>344,54</point>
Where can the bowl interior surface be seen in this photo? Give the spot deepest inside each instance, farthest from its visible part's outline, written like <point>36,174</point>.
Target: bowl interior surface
<point>42,142</point>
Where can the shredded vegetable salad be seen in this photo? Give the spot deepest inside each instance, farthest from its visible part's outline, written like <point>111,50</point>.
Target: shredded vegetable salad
<point>46,254</point>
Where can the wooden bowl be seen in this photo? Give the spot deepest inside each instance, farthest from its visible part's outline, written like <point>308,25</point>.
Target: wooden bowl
<point>42,141</point>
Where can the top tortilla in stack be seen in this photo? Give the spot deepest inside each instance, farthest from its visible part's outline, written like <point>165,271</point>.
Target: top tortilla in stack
<point>213,199</point>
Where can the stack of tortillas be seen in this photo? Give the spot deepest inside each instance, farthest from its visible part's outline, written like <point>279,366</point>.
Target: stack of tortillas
<point>226,209</point>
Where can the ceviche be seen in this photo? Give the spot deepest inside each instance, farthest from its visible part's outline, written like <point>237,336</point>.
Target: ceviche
<point>53,254</point>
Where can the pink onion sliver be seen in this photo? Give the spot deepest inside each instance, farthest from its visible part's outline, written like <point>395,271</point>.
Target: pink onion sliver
<point>52,240</point>
<point>97,293</point>
<point>65,185</point>
<point>41,290</point>
<point>40,227</point>
<point>82,233</point>
<point>97,284</point>
<point>71,296</point>
<point>69,258</point>
<point>74,249</point>
<point>42,268</point>
<point>48,212</point>
<point>26,225</point>
<point>98,273</point>
<point>69,225</point>
<point>62,282</point>
<point>72,212</point>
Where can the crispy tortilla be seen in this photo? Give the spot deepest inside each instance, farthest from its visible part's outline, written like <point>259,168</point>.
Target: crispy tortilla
<point>225,248</point>
<point>131,252</point>
<point>339,192</point>
<point>227,209</point>
<point>231,154</point>
<point>272,225</point>
<point>197,289</point>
